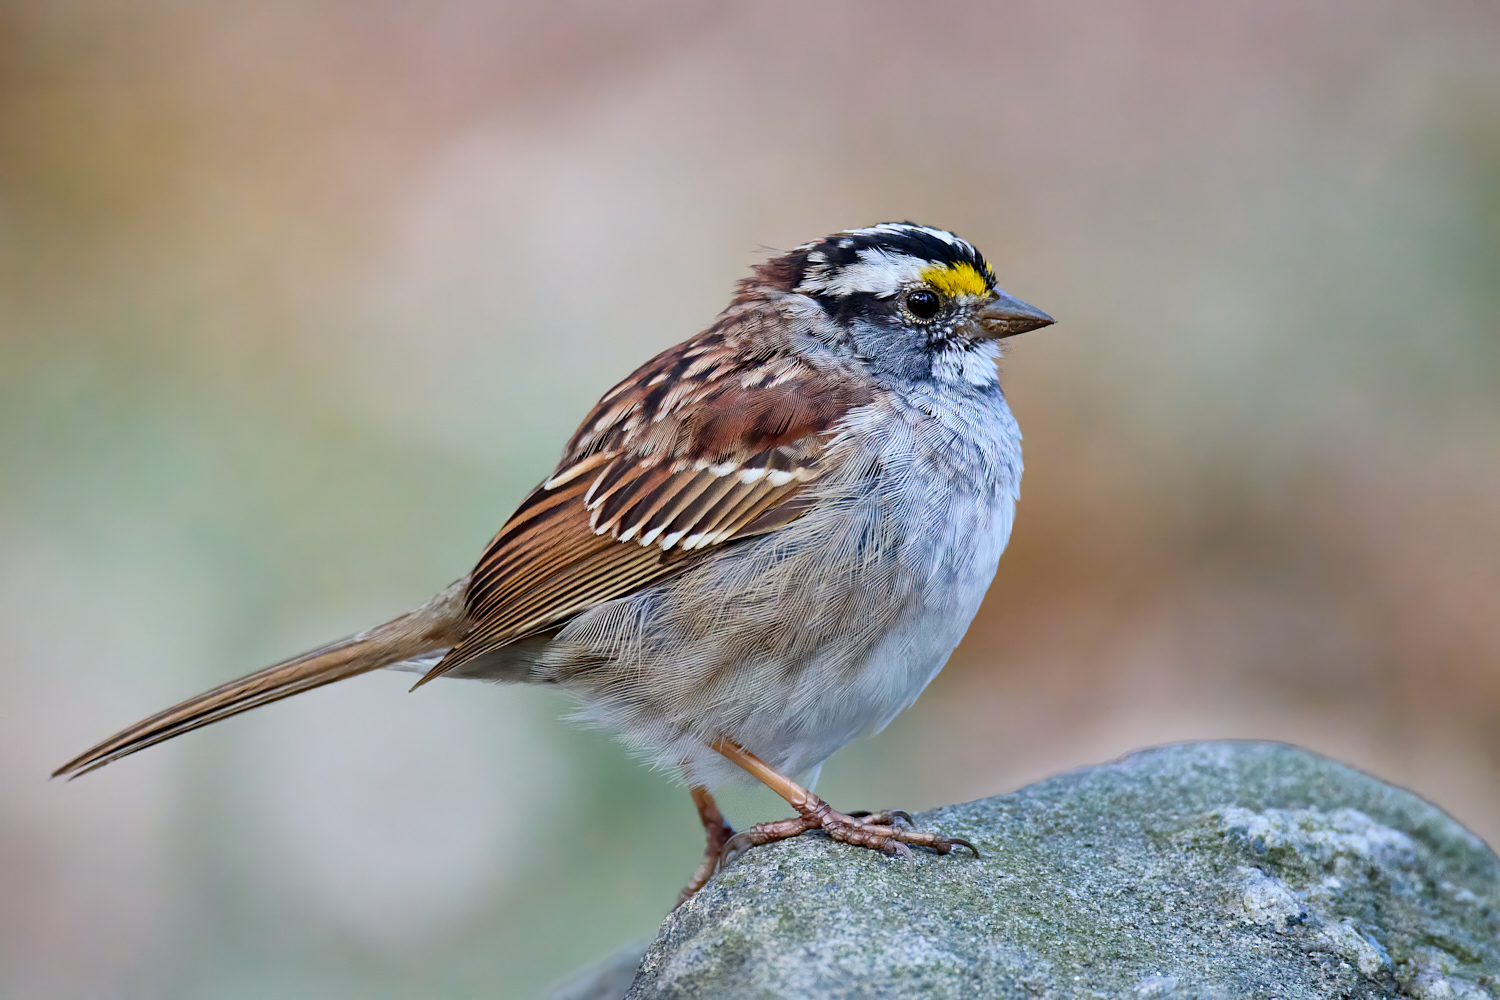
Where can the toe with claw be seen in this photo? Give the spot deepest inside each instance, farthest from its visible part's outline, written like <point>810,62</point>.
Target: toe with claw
<point>890,832</point>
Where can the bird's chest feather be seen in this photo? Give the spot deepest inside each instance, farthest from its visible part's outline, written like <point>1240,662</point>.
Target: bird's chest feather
<point>945,497</point>
<point>941,476</point>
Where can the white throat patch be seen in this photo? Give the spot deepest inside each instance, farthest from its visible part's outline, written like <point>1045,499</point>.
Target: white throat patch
<point>973,365</point>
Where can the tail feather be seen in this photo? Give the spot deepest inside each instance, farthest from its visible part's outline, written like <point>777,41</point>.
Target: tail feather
<point>432,628</point>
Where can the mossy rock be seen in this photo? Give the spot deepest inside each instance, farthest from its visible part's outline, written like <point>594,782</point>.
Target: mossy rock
<point>1232,870</point>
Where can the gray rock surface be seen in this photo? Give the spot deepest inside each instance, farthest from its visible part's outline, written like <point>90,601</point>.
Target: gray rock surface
<point>1203,870</point>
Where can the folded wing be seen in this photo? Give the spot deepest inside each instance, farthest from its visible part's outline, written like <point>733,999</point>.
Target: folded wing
<point>701,447</point>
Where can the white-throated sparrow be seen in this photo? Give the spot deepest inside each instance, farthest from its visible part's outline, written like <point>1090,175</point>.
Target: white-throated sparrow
<point>764,542</point>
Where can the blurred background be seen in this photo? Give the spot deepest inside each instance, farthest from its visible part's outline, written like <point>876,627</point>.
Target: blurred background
<point>298,299</point>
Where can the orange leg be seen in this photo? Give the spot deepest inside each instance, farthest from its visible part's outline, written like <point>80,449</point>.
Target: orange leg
<point>718,833</point>
<point>876,831</point>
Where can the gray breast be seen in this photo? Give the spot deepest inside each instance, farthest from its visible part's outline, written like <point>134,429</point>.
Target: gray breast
<point>795,643</point>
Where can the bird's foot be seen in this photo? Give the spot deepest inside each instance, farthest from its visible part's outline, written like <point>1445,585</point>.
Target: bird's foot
<point>889,832</point>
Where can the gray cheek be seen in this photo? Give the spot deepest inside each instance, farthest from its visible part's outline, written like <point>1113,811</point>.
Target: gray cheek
<point>899,351</point>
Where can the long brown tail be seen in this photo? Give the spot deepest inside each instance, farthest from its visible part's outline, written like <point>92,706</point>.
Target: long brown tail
<point>432,628</point>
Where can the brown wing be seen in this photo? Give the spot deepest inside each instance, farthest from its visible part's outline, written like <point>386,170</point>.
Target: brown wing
<point>702,446</point>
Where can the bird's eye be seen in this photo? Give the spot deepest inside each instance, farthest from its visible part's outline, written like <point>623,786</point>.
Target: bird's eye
<point>922,303</point>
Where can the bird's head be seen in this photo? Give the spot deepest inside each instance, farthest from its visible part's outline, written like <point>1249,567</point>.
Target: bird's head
<point>909,299</point>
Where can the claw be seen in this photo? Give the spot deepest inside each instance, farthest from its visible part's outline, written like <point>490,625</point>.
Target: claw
<point>733,848</point>
<point>885,817</point>
<point>961,842</point>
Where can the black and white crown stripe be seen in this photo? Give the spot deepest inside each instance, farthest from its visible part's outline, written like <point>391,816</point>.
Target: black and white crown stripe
<point>881,260</point>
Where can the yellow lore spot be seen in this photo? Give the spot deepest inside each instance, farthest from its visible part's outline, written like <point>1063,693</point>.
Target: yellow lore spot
<point>954,280</point>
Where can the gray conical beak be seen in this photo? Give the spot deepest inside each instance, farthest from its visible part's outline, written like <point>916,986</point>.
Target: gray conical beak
<point>1006,317</point>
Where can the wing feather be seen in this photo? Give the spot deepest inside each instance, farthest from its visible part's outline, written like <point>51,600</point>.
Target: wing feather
<point>698,449</point>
